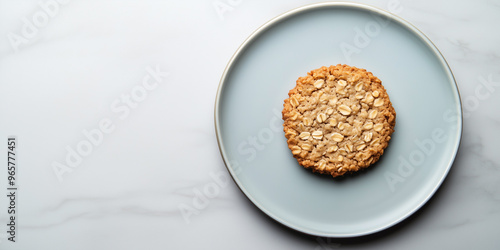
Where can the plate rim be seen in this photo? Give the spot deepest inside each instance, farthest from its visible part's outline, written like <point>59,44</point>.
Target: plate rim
<point>288,14</point>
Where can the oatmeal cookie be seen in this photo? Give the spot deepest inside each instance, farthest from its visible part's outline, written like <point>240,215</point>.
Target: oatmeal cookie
<point>338,120</point>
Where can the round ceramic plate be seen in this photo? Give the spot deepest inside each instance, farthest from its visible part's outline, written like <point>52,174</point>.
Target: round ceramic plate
<point>422,90</point>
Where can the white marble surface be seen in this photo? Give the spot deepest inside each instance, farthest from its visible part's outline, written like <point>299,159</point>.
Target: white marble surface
<point>76,69</point>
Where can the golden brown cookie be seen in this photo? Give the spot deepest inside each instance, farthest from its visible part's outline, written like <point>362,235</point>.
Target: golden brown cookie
<point>338,120</point>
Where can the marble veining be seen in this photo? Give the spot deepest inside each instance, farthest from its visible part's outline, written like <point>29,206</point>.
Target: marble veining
<point>134,192</point>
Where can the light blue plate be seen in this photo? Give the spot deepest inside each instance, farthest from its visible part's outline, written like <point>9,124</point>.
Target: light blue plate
<point>421,87</point>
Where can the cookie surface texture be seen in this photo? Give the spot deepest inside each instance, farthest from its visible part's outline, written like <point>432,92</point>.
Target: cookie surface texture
<point>338,120</point>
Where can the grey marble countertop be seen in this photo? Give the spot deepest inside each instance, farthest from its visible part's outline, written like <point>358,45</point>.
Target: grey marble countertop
<point>131,85</point>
